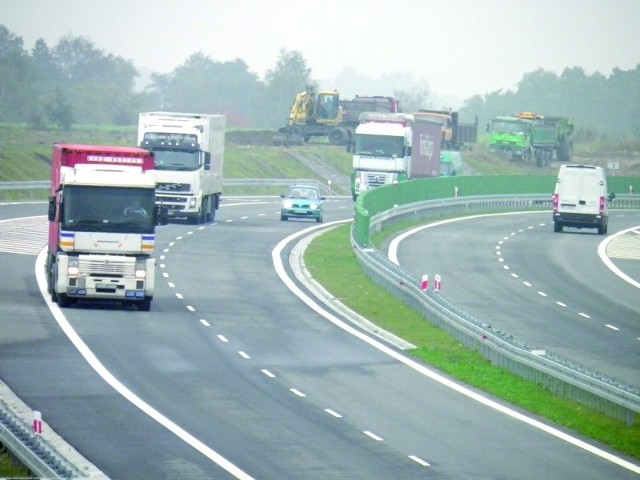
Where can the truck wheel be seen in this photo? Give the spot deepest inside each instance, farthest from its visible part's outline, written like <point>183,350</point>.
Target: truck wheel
<point>63,300</point>
<point>207,209</point>
<point>565,151</point>
<point>557,227</point>
<point>336,137</point>
<point>144,305</point>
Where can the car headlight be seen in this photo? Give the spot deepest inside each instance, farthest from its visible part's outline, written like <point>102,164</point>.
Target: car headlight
<point>314,206</point>
<point>287,204</point>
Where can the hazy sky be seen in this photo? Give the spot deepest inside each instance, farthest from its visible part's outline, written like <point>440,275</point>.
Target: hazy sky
<point>459,47</point>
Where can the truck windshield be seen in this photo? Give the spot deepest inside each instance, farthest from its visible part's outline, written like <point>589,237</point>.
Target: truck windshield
<point>379,146</point>
<point>509,127</point>
<point>108,209</point>
<point>177,160</point>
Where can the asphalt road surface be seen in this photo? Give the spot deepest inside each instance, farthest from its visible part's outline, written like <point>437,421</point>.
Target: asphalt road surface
<point>232,375</point>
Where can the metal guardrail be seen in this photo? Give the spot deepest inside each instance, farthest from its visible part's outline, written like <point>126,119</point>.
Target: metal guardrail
<point>31,450</point>
<point>39,190</point>
<point>560,375</point>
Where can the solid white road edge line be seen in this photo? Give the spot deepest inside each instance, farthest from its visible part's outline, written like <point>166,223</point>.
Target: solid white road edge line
<point>277,262</point>
<point>108,377</point>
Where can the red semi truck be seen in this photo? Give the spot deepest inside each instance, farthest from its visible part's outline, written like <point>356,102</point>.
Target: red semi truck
<point>102,221</point>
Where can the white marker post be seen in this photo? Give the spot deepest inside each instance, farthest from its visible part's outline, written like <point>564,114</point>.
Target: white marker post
<point>37,422</point>
<point>438,286</point>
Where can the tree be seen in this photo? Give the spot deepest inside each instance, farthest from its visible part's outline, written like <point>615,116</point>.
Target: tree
<point>15,78</point>
<point>58,110</point>
<point>283,83</point>
<point>414,99</point>
<point>203,85</point>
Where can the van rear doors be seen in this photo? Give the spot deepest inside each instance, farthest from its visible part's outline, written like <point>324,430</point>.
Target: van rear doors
<point>580,198</point>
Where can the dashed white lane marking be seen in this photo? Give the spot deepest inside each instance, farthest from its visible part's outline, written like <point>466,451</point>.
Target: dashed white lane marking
<point>584,315</point>
<point>244,355</point>
<point>297,392</point>
<point>612,327</point>
<point>268,373</point>
<point>190,308</point>
<point>222,338</point>
<point>332,413</point>
<point>419,461</point>
<point>204,322</point>
<point>393,256</point>
<point>372,435</point>
<point>108,377</point>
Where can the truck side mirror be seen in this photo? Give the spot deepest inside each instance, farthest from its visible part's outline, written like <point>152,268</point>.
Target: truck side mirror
<point>612,196</point>
<point>207,161</point>
<point>51,214</point>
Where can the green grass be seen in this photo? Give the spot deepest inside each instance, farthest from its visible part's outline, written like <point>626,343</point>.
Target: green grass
<point>332,252</point>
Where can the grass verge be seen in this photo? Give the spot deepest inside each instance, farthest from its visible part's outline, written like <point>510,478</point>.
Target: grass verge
<point>332,252</point>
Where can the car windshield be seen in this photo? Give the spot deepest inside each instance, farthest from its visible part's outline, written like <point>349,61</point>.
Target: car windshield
<point>301,192</point>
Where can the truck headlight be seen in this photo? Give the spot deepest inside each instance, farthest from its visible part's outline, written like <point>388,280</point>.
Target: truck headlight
<point>72,267</point>
<point>141,268</point>
<point>192,202</point>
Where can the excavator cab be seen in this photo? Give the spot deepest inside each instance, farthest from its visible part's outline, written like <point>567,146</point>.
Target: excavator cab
<point>328,107</point>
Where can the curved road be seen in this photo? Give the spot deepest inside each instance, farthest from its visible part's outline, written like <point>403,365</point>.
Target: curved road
<point>552,291</point>
<point>233,376</point>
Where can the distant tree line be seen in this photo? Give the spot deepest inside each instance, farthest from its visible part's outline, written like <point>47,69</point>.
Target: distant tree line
<point>602,107</point>
<point>74,82</point>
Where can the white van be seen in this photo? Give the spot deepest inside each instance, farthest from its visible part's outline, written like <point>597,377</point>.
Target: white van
<point>580,198</point>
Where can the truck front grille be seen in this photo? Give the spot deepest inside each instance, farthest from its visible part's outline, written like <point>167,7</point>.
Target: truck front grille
<point>108,267</point>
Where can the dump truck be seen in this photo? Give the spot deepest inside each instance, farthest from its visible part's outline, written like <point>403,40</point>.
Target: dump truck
<point>102,218</point>
<point>189,161</point>
<point>392,148</point>
<point>528,137</point>
<point>326,115</point>
<point>456,135</point>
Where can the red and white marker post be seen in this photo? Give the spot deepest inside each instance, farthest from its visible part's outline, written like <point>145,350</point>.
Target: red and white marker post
<point>424,284</point>
<point>438,286</point>
<point>37,422</point>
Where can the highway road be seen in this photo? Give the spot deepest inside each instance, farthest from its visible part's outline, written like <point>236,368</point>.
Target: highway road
<point>556,292</point>
<point>232,375</point>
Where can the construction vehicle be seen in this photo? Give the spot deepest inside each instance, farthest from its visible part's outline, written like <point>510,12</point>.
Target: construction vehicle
<point>450,163</point>
<point>456,135</point>
<point>99,247</point>
<point>189,155</point>
<point>529,136</point>
<point>325,115</point>
<point>392,148</point>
